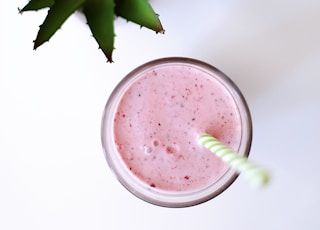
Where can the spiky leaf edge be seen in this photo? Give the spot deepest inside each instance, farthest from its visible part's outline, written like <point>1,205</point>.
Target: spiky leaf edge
<point>35,5</point>
<point>57,15</point>
<point>133,11</point>
<point>100,18</point>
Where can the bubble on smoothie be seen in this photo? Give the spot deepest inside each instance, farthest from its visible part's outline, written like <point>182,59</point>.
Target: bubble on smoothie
<point>147,149</point>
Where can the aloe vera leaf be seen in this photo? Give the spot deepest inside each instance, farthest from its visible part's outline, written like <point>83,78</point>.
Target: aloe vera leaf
<point>100,17</point>
<point>37,5</point>
<point>140,12</point>
<point>57,15</point>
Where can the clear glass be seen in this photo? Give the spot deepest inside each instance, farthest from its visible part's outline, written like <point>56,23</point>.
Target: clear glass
<point>142,189</point>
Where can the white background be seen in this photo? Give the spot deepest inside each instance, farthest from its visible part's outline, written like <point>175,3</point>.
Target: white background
<point>53,174</point>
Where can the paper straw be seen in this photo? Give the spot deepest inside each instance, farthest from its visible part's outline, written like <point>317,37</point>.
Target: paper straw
<point>258,176</point>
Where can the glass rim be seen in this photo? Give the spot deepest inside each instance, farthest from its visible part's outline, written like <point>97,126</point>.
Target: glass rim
<point>160,197</point>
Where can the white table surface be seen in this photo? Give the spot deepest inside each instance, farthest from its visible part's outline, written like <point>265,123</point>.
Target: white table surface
<point>53,174</point>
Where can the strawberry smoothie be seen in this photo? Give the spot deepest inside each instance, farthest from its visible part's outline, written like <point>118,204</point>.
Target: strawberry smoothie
<point>158,117</point>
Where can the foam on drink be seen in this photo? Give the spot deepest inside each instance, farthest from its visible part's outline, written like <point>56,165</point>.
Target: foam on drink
<point>158,121</point>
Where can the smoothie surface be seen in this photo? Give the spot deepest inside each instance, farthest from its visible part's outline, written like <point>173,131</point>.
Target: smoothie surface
<point>158,121</point>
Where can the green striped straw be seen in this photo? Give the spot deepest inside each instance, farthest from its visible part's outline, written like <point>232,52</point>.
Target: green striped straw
<point>258,176</point>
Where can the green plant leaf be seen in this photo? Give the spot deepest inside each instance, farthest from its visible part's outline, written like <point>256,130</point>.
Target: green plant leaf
<point>140,12</point>
<point>100,17</point>
<point>58,13</point>
<point>37,5</point>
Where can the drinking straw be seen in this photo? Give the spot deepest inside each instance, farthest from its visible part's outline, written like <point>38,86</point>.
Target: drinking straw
<point>258,176</point>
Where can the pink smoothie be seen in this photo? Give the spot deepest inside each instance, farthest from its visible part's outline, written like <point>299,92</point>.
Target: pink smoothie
<point>159,119</point>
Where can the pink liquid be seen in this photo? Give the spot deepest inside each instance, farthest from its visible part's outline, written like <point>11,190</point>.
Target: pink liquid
<point>159,119</point>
